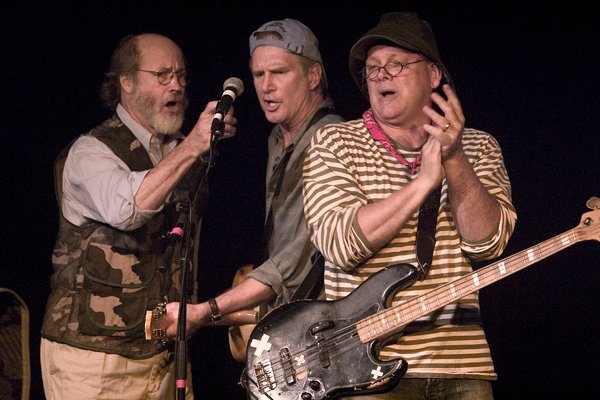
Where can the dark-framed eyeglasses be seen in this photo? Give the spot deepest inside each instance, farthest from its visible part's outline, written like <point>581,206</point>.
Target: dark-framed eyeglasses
<point>392,68</point>
<point>165,76</point>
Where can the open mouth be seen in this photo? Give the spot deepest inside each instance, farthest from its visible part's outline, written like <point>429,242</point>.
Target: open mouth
<point>172,105</point>
<point>270,104</point>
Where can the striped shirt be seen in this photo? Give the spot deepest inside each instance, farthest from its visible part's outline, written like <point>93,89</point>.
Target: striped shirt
<point>346,169</point>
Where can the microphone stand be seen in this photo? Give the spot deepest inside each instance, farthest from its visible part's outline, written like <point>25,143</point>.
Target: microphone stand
<point>181,340</point>
<point>175,235</point>
<point>181,351</point>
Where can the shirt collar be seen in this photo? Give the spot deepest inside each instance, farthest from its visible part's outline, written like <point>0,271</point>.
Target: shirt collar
<point>327,103</point>
<point>141,133</point>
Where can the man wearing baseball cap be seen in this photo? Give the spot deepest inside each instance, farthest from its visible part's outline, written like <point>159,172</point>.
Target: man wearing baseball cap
<point>290,84</point>
<point>370,186</point>
<point>289,79</point>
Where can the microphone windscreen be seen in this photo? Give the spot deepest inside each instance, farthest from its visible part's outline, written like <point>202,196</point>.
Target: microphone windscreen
<point>234,84</point>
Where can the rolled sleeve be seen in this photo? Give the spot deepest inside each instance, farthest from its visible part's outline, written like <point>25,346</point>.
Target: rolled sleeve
<point>98,185</point>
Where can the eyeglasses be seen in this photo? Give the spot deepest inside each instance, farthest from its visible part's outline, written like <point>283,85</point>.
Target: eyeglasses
<point>392,68</point>
<point>165,76</point>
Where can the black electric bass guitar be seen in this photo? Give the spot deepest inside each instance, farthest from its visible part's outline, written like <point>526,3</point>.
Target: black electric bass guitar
<point>316,349</point>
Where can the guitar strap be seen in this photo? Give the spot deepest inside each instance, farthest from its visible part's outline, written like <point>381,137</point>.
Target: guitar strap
<point>280,175</point>
<point>312,284</point>
<point>426,232</point>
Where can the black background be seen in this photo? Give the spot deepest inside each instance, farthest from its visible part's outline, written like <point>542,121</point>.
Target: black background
<point>527,74</point>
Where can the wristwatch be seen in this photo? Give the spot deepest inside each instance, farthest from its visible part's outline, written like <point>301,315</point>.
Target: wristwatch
<point>215,314</point>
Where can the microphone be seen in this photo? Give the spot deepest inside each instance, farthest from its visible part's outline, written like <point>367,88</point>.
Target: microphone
<point>232,88</point>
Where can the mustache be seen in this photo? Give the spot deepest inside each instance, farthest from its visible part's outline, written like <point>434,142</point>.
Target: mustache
<point>178,98</point>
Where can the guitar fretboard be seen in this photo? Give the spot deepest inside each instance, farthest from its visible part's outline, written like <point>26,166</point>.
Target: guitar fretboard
<point>393,319</point>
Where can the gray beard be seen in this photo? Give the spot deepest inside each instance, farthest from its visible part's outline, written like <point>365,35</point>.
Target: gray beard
<point>162,124</point>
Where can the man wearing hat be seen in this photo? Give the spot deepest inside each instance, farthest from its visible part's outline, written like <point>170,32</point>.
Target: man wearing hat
<point>369,186</point>
<point>290,83</point>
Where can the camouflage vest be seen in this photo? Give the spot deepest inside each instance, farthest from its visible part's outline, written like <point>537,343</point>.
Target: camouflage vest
<point>105,279</point>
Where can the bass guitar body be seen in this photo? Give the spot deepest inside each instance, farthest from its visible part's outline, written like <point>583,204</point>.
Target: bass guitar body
<point>310,349</point>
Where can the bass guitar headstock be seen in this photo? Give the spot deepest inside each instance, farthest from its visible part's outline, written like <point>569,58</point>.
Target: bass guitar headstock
<point>589,226</point>
<point>155,327</point>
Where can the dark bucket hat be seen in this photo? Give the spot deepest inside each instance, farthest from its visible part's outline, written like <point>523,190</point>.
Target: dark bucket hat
<point>403,29</point>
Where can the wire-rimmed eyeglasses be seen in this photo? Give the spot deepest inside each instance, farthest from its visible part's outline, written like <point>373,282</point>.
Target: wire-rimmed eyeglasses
<point>392,68</point>
<point>165,76</point>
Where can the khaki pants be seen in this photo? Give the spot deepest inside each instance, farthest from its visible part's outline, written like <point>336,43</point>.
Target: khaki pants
<point>70,373</point>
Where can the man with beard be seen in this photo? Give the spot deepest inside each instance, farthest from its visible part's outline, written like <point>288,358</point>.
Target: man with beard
<point>120,188</point>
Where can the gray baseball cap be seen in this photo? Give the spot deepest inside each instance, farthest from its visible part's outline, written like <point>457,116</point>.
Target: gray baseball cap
<point>296,38</point>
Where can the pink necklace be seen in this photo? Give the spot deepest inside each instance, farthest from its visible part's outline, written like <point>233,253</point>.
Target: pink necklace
<point>377,134</point>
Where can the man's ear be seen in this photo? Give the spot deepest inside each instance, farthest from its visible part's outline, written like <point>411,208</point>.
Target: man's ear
<point>435,75</point>
<point>315,72</point>
<point>126,82</point>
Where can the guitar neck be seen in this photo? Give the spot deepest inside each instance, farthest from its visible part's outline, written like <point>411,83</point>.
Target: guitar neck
<point>393,319</point>
<point>243,317</point>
